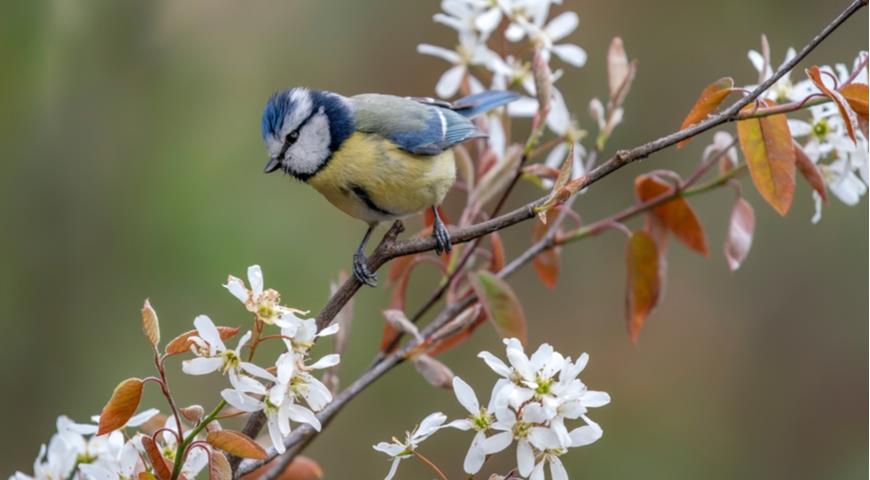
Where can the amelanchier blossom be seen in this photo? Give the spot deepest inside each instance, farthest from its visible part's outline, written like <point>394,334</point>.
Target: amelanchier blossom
<point>529,405</point>
<point>399,450</point>
<point>213,356</point>
<point>265,304</point>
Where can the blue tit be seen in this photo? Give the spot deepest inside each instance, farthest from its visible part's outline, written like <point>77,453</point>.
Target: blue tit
<point>375,157</point>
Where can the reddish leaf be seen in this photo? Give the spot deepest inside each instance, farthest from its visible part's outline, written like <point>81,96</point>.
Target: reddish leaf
<point>433,371</point>
<point>150,324</point>
<point>397,300</point>
<point>709,100</point>
<point>810,172</point>
<point>546,263</point>
<point>162,468</point>
<point>181,343</point>
<point>740,229</point>
<point>301,468</point>
<point>856,95</point>
<point>849,117</point>
<point>429,218</point>
<point>219,467</point>
<point>644,281</point>
<point>236,443</point>
<point>674,214</point>
<point>496,262</point>
<point>146,476</point>
<point>398,267</point>
<point>122,405</point>
<point>767,145</point>
<point>501,305</point>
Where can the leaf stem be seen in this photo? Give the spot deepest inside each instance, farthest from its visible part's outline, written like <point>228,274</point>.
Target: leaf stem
<point>431,465</point>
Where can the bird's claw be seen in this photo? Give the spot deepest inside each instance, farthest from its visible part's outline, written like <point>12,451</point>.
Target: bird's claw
<point>442,238</point>
<point>361,270</point>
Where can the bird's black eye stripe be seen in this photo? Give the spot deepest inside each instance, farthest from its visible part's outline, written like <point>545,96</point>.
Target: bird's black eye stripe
<point>292,137</point>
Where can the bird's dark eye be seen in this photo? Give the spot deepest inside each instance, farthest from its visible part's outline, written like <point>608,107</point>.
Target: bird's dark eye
<point>292,137</point>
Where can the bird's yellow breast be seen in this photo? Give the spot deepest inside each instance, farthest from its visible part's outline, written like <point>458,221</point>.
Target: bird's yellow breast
<point>370,178</point>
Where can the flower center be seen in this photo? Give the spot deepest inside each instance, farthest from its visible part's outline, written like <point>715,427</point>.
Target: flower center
<point>521,429</point>
<point>821,128</point>
<point>544,385</point>
<point>482,420</point>
<point>231,361</point>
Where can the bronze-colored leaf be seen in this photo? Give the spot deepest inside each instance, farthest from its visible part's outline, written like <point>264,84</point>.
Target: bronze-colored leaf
<point>740,230</point>
<point>849,116</point>
<point>181,343</point>
<point>301,468</point>
<point>146,476</point>
<point>546,263</point>
<point>433,371</point>
<point>496,247</point>
<point>219,467</point>
<point>161,467</point>
<point>810,172</point>
<point>122,405</point>
<point>709,100</point>
<point>150,324</point>
<point>471,318</point>
<point>676,214</point>
<point>767,145</point>
<point>236,443</point>
<point>501,305</point>
<point>644,281</point>
<point>856,95</point>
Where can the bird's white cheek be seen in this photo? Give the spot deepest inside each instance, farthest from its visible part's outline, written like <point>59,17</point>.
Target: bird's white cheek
<point>312,148</point>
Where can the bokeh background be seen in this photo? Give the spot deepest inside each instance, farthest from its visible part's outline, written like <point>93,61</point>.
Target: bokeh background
<point>131,167</point>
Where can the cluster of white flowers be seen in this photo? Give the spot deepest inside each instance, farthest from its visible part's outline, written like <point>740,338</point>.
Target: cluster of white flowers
<point>529,405</point>
<point>75,452</point>
<point>824,136</point>
<point>284,394</point>
<point>475,21</point>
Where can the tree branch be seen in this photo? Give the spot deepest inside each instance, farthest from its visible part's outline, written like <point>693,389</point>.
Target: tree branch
<point>390,248</point>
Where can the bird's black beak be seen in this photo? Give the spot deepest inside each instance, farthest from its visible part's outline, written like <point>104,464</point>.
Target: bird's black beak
<point>274,164</point>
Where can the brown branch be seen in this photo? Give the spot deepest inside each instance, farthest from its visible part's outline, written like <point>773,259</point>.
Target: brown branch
<point>390,248</point>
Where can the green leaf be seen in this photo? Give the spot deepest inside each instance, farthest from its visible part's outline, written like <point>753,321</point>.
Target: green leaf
<point>501,305</point>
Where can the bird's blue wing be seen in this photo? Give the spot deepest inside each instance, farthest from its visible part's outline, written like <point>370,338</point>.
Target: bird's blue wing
<point>416,127</point>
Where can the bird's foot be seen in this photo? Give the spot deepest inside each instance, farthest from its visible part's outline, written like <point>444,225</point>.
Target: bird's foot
<point>442,237</point>
<point>361,270</point>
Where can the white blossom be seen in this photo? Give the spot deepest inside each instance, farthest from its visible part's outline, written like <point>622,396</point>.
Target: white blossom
<point>402,449</point>
<point>213,356</point>
<point>265,304</point>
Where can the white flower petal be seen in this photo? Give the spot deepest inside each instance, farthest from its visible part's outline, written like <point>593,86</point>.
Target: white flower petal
<point>201,365</point>
<point>525,458</point>
<point>496,443</point>
<point>393,467</point>
<point>439,52</point>
<point>465,395</point>
<point>450,81</point>
<point>275,434</point>
<point>463,424</point>
<point>327,361</point>
<point>241,401</point>
<point>488,20</point>
<point>330,330</point>
<point>495,363</point>
<point>255,278</point>
<point>391,449</point>
<point>257,371</point>
<point>246,384</point>
<point>300,414</point>
<point>594,398</point>
<point>475,457</point>
<point>208,332</point>
<point>562,26</point>
<point>570,54</point>
<point>429,425</point>
<point>585,435</point>
<point>142,417</point>
<point>557,470</point>
<point>237,288</point>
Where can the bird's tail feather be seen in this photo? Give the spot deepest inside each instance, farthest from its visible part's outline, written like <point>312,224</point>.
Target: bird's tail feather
<point>482,102</point>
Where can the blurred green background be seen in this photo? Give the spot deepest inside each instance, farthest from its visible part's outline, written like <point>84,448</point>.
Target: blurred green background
<point>131,167</point>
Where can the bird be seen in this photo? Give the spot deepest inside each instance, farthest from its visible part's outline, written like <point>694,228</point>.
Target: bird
<point>376,157</point>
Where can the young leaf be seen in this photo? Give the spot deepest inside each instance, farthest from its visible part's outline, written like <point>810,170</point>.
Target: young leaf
<point>767,145</point>
<point>620,73</point>
<point>146,476</point>
<point>810,172</point>
<point>219,467</point>
<point>856,95</point>
<point>122,405</point>
<point>501,305</point>
<point>301,468</point>
<point>849,117</point>
<point>740,230</point>
<point>546,263</point>
<point>470,319</point>
<point>674,214</point>
<point>644,281</point>
<point>150,324</point>
<point>709,100</point>
<point>496,247</point>
<point>162,468</point>
<point>181,343</point>
<point>236,443</point>
<point>434,372</point>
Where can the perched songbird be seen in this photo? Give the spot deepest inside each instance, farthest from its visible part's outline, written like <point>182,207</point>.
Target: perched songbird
<point>375,157</point>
